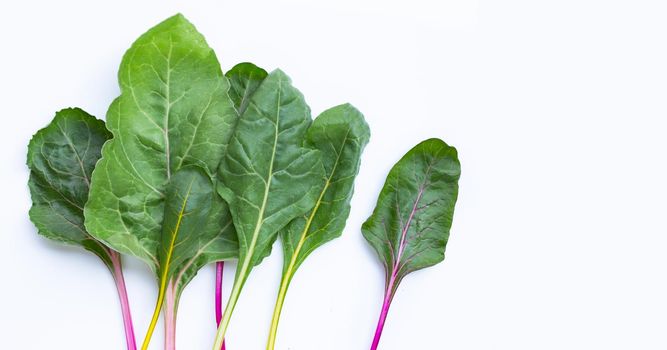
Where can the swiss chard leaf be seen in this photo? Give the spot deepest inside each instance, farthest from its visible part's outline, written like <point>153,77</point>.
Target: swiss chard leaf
<point>173,112</point>
<point>61,158</point>
<point>409,227</point>
<point>267,176</point>
<point>340,134</point>
<point>244,79</point>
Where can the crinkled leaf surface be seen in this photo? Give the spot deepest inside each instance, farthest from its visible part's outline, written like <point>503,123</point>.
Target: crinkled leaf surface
<point>173,111</point>
<point>244,79</point>
<point>267,177</point>
<point>340,134</point>
<point>61,158</point>
<point>409,227</point>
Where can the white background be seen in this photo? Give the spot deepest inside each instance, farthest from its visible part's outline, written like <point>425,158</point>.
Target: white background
<point>558,110</point>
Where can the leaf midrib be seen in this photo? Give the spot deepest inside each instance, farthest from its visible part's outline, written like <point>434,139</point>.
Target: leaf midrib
<point>403,243</point>
<point>260,217</point>
<point>168,110</point>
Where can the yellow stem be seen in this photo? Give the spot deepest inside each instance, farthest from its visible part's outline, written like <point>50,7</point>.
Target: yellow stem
<point>165,271</point>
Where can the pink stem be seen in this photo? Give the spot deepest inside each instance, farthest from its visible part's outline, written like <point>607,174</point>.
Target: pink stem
<point>170,318</point>
<point>124,300</point>
<point>388,296</point>
<point>218,294</point>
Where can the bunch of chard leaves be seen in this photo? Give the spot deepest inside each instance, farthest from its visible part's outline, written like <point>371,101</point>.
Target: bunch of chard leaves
<point>61,158</point>
<point>340,134</point>
<point>153,192</point>
<point>409,227</point>
<point>201,167</point>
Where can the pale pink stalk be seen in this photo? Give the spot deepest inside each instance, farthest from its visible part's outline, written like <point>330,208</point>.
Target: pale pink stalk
<point>124,300</point>
<point>170,317</point>
<point>219,267</point>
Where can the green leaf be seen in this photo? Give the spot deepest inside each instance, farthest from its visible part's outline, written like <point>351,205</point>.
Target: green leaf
<point>191,205</point>
<point>267,176</point>
<point>409,227</point>
<point>340,134</point>
<point>173,111</point>
<point>61,158</point>
<point>244,79</point>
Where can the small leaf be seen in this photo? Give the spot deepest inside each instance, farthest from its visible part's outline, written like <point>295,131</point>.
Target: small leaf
<point>409,227</point>
<point>61,158</point>
<point>340,134</point>
<point>191,199</point>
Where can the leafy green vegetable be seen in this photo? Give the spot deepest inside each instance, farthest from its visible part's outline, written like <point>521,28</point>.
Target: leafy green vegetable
<point>340,134</point>
<point>204,167</point>
<point>61,158</point>
<point>409,227</point>
<point>173,112</point>
<point>267,177</point>
<point>244,80</point>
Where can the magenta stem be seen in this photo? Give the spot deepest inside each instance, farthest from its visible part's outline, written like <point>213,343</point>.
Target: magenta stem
<point>124,300</point>
<point>170,317</point>
<point>388,296</point>
<point>219,268</point>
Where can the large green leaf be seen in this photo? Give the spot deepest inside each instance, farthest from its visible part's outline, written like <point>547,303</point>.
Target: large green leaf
<point>267,176</point>
<point>244,79</point>
<point>61,158</point>
<point>409,227</point>
<point>340,134</point>
<point>173,111</point>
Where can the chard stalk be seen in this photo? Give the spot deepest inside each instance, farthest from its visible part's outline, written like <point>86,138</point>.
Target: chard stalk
<point>219,267</point>
<point>388,297</point>
<point>170,318</point>
<point>124,300</point>
<point>280,300</point>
